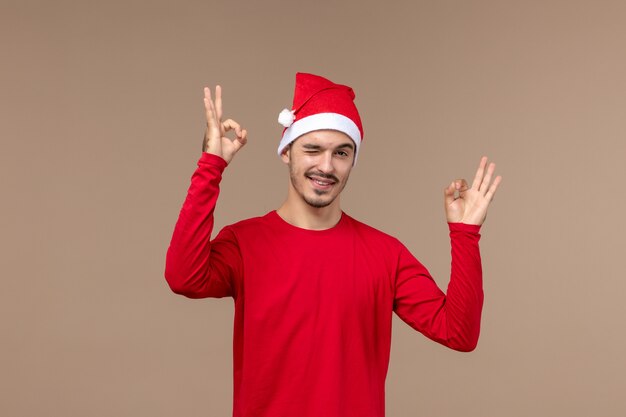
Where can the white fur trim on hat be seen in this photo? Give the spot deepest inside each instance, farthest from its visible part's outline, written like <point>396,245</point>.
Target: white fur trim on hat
<point>319,121</point>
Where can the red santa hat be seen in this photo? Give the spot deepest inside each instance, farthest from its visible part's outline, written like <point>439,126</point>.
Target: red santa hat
<point>318,104</point>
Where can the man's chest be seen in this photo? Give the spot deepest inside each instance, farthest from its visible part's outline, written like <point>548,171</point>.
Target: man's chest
<point>340,276</point>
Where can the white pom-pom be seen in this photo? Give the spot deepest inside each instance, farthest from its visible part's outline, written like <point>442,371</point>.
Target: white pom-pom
<point>286,117</point>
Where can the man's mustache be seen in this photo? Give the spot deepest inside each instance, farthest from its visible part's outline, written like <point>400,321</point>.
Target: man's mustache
<point>323,175</point>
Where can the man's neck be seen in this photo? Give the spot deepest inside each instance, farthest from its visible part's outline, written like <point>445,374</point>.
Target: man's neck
<point>304,216</point>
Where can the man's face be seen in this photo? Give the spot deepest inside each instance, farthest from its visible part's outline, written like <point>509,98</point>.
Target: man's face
<point>319,165</point>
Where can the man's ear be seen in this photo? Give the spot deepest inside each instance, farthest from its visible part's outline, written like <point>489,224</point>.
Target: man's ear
<point>286,153</point>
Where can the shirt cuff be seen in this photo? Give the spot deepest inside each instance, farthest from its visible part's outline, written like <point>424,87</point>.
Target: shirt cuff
<point>462,227</point>
<point>213,160</point>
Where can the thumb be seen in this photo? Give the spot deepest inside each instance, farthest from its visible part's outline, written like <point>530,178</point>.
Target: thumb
<point>448,193</point>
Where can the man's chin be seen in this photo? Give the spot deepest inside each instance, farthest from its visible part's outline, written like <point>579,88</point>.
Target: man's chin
<point>318,203</point>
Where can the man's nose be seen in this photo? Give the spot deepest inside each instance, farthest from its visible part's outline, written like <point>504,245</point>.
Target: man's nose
<point>326,162</point>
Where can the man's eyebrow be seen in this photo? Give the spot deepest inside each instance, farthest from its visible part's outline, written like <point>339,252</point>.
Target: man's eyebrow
<point>317,147</point>
<point>310,146</point>
<point>346,145</point>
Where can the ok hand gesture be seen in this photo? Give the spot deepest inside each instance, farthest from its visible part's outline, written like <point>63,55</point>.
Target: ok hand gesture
<point>215,140</point>
<point>470,205</point>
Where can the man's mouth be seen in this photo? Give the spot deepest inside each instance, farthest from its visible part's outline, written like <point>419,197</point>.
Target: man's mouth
<point>321,182</point>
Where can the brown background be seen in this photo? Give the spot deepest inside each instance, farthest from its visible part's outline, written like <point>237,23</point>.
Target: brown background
<point>102,118</point>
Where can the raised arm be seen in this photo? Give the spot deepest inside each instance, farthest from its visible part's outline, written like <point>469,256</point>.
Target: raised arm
<point>452,319</point>
<point>196,266</point>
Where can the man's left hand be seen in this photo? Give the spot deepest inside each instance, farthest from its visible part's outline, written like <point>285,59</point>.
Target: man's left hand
<point>469,205</point>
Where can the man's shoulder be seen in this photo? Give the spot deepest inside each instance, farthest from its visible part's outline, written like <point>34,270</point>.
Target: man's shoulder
<point>249,223</point>
<point>372,232</point>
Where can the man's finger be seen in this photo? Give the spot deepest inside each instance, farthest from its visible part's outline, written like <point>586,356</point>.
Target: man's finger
<point>461,185</point>
<point>484,186</point>
<point>238,144</point>
<point>230,124</point>
<point>240,140</point>
<point>207,99</point>
<point>480,172</point>
<point>218,102</point>
<point>448,193</point>
<point>493,188</point>
<point>244,137</point>
<point>208,105</point>
<point>212,128</point>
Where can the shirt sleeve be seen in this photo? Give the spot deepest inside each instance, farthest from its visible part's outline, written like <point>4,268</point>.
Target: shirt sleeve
<point>452,319</point>
<point>195,266</point>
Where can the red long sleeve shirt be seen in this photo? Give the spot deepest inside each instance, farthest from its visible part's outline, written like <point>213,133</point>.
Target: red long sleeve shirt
<point>313,308</point>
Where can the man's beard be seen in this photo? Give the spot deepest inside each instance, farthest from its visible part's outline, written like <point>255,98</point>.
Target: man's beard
<point>317,203</point>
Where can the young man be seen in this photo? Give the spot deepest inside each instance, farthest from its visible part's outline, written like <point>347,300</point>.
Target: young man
<point>315,289</point>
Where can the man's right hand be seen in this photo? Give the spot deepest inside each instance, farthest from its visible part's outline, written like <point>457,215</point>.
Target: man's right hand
<point>215,140</point>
